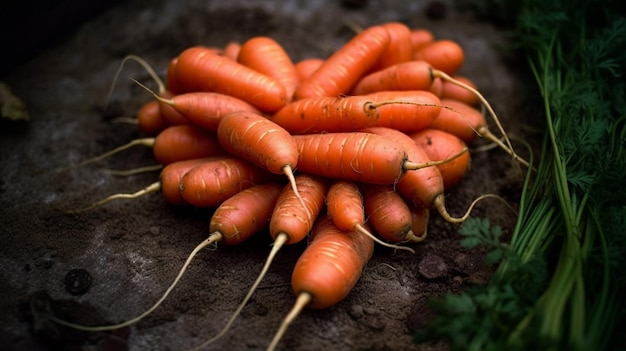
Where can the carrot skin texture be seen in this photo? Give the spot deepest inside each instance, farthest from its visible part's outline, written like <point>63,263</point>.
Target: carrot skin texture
<point>418,187</point>
<point>362,157</point>
<point>290,217</point>
<point>172,115</point>
<point>420,37</point>
<point>331,265</point>
<point>205,109</point>
<point>201,69</point>
<point>210,183</point>
<point>387,212</point>
<point>258,140</point>
<point>445,55</point>
<point>150,120</point>
<point>407,75</point>
<point>454,92</point>
<point>184,142</point>
<point>338,74</point>
<point>171,176</point>
<point>440,145</point>
<point>399,48</point>
<point>419,220</point>
<point>245,213</point>
<point>345,205</point>
<point>306,67</point>
<point>422,109</point>
<point>326,114</point>
<point>459,119</point>
<point>267,56</point>
<point>231,50</point>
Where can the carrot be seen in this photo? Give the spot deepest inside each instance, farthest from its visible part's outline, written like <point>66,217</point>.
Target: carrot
<point>306,67</point>
<point>408,75</point>
<point>358,156</point>
<point>422,187</point>
<point>170,77</point>
<point>419,221</point>
<point>200,69</point>
<point>204,109</point>
<point>405,110</point>
<point>338,74</point>
<point>437,87</point>
<point>210,183</point>
<point>399,48</point>
<point>168,184</point>
<point>453,91</point>
<point>289,224</point>
<point>150,120</point>
<point>344,205</point>
<point>440,145</point>
<point>326,114</point>
<point>445,55</point>
<point>420,37</point>
<point>267,56</point>
<point>175,143</point>
<point>231,50</point>
<point>327,270</point>
<point>261,142</point>
<point>388,213</point>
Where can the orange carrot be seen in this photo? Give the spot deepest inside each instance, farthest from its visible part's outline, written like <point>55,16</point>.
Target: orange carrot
<point>445,55</point>
<point>405,110</point>
<point>420,37</point>
<point>175,143</point>
<point>267,56</point>
<point>327,270</point>
<point>200,69</point>
<point>338,74</point>
<point>440,145</point>
<point>205,109</point>
<point>419,221</point>
<point>388,213</point>
<point>422,187</point>
<point>326,114</point>
<point>231,50</point>
<point>171,79</point>
<point>210,183</point>
<point>306,67</point>
<point>408,75</point>
<point>259,141</point>
<point>344,205</point>
<point>399,48</point>
<point>290,223</point>
<point>245,213</point>
<point>460,119</point>
<point>358,156</point>
<point>150,120</point>
<point>437,87</point>
<point>453,91</point>
<point>168,184</point>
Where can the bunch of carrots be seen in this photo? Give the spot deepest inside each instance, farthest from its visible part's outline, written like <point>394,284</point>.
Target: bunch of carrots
<point>346,151</point>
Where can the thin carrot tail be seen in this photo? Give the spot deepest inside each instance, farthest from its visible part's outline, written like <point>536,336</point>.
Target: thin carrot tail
<point>145,65</point>
<point>210,240</point>
<point>508,147</point>
<point>134,171</point>
<point>366,232</point>
<point>154,187</point>
<point>304,298</point>
<point>149,142</point>
<point>439,204</point>
<point>414,166</point>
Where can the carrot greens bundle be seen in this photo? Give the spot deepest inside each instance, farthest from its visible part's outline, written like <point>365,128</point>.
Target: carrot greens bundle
<point>559,284</point>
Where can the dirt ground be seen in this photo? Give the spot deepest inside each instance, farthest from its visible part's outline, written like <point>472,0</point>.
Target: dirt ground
<point>132,249</point>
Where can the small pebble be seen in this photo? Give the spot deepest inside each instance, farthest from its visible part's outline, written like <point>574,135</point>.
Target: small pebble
<point>356,311</point>
<point>77,281</point>
<point>433,267</point>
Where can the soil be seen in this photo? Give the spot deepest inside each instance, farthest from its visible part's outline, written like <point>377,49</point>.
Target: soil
<point>119,258</point>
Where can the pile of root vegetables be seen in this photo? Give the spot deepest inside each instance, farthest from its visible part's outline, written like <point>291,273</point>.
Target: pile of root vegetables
<point>347,151</point>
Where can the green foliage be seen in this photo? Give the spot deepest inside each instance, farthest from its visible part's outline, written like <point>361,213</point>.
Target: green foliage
<point>560,282</point>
